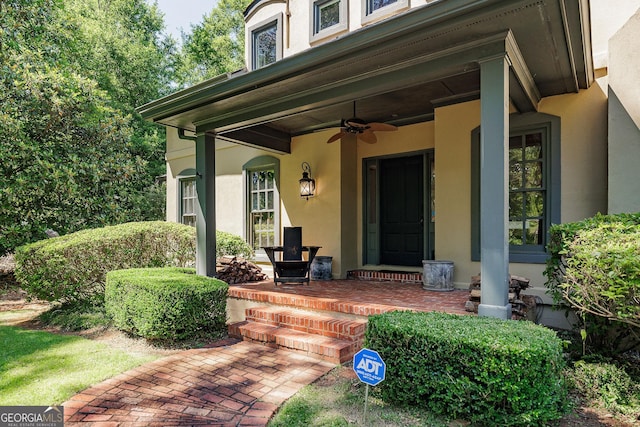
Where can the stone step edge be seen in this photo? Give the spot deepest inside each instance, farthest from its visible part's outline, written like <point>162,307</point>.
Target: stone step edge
<point>303,321</point>
<point>326,348</point>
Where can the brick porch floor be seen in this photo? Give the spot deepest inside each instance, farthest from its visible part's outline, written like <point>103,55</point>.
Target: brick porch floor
<point>235,383</point>
<point>359,297</point>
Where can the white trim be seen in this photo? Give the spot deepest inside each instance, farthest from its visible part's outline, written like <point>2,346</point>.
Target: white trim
<point>277,19</point>
<point>383,12</point>
<point>341,27</point>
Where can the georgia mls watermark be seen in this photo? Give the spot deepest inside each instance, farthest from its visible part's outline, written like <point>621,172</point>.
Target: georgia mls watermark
<point>31,416</point>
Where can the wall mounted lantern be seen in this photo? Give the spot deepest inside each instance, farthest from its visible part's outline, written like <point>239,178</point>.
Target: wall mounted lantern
<point>307,184</point>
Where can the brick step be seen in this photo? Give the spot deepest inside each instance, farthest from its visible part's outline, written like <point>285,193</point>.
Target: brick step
<point>312,323</point>
<point>326,348</point>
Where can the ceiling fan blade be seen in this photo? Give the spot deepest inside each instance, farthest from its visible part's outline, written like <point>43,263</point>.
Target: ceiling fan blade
<point>336,137</point>
<point>382,127</point>
<point>368,136</point>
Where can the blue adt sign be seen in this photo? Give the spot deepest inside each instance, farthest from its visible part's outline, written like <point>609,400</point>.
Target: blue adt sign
<point>369,366</point>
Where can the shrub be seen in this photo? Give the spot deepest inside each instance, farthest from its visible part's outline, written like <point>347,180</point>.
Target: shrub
<point>230,244</point>
<point>485,370</point>
<point>72,268</point>
<point>608,385</point>
<point>166,303</point>
<point>594,268</point>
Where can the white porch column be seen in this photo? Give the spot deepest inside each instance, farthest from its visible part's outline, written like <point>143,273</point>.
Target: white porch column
<point>206,206</point>
<point>494,168</point>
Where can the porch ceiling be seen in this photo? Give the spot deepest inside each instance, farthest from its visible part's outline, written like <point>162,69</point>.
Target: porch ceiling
<point>396,71</point>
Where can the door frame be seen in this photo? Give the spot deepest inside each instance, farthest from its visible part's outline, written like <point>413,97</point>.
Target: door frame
<point>371,207</point>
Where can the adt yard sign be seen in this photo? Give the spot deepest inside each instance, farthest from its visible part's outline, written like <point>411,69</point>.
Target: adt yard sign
<point>369,366</point>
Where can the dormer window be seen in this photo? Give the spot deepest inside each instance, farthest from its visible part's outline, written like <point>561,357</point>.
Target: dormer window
<point>379,9</point>
<point>266,43</point>
<point>373,5</point>
<point>329,17</point>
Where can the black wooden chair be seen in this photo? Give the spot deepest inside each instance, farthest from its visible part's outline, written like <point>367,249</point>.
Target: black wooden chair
<point>289,266</point>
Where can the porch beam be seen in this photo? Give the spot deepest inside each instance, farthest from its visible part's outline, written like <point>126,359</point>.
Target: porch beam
<point>494,166</point>
<point>260,136</point>
<point>419,69</point>
<point>523,90</point>
<point>206,206</point>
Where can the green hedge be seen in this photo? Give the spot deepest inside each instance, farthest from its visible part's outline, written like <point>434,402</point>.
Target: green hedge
<point>484,370</point>
<point>166,303</point>
<point>562,236</point>
<point>72,267</point>
<point>594,269</point>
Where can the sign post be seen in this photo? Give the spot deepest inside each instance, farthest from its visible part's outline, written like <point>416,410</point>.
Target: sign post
<point>370,369</point>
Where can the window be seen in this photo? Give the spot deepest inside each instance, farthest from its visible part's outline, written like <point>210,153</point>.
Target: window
<point>266,42</point>
<point>527,188</point>
<point>329,18</point>
<point>376,9</point>
<point>263,203</point>
<point>262,208</point>
<point>188,200</point>
<point>533,183</point>
<point>373,5</point>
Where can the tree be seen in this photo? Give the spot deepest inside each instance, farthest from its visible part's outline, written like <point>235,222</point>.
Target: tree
<point>73,153</point>
<point>214,47</point>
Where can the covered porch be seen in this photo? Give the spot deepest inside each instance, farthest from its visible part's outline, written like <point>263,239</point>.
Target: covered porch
<point>437,72</point>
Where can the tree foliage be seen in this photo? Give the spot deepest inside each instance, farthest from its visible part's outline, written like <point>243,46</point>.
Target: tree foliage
<point>214,47</point>
<point>74,154</point>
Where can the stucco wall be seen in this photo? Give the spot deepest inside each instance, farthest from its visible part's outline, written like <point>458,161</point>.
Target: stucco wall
<point>624,119</point>
<point>583,171</point>
<point>296,34</point>
<point>229,181</point>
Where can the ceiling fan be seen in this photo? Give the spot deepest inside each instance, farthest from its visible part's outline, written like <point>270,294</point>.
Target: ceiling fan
<point>362,130</point>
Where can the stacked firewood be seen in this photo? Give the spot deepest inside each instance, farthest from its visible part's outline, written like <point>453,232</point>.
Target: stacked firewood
<point>521,305</point>
<point>238,270</point>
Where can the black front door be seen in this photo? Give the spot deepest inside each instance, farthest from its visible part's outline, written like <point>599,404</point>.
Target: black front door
<point>402,210</point>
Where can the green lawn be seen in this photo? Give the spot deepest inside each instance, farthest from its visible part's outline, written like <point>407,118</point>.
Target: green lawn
<point>41,368</point>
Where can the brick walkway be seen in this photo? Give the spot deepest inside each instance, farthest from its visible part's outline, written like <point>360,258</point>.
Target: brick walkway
<point>241,383</point>
<point>235,384</point>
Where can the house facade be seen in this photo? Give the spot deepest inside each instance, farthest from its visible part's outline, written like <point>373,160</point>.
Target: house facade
<point>511,115</point>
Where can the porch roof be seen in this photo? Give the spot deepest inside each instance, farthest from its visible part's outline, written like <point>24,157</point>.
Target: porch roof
<point>396,71</point>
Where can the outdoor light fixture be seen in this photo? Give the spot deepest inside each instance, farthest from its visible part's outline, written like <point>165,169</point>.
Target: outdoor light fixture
<point>307,184</point>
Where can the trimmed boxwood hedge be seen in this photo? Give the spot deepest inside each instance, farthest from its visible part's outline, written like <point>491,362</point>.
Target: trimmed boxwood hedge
<point>484,370</point>
<point>72,268</point>
<point>166,303</point>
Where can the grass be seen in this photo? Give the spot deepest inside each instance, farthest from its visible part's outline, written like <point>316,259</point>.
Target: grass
<point>76,317</point>
<point>41,368</point>
<point>337,400</point>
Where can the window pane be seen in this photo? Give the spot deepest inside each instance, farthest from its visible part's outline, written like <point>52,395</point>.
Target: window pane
<point>515,234</point>
<point>515,205</point>
<point>264,44</point>
<point>377,4</point>
<point>533,148</point>
<point>515,176</point>
<point>534,232</point>
<point>533,175</point>
<point>329,15</point>
<point>270,200</point>
<point>535,204</point>
<point>515,149</point>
